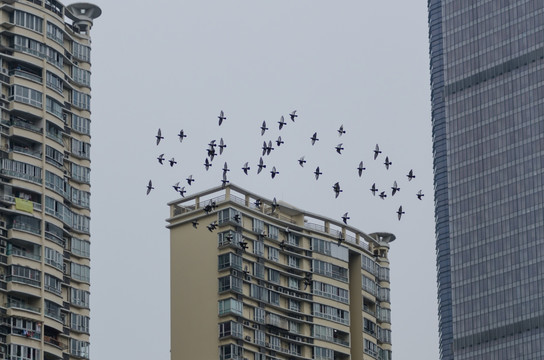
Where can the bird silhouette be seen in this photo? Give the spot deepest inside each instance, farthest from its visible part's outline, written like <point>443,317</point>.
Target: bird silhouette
<point>149,187</point>
<point>395,188</point>
<point>314,138</point>
<point>222,146</point>
<point>225,169</point>
<point>161,158</point>
<point>182,191</point>
<point>211,153</point>
<point>383,195</point>
<point>260,166</point>
<point>410,175</point>
<point>279,141</point>
<point>159,136</point>
<point>195,224</point>
<point>258,203</point>
<point>317,173</point>
<point>263,128</point>
<point>293,115</point>
<point>376,151</point>
<point>420,195</point>
<point>374,189</point>
<point>345,218</point>
<point>207,164</point>
<point>172,162</point>
<point>340,239</point>
<point>221,117</point>
<point>400,212</point>
<point>339,148</point>
<point>341,130</point>
<point>269,148</point>
<point>181,135</point>
<point>273,172</point>
<point>337,190</point>
<point>387,163</point>
<point>282,245</point>
<point>176,186</point>
<point>212,144</point>
<point>212,226</point>
<point>224,180</point>
<point>190,180</point>
<point>246,167</point>
<point>274,205</point>
<point>301,161</point>
<point>360,169</point>
<point>282,122</point>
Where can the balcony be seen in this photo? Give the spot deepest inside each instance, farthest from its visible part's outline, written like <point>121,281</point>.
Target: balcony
<point>26,75</point>
<point>22,306</point>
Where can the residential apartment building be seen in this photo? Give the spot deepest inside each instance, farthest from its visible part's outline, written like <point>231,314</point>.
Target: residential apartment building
<point>260,280</point>
<point>44,179</point>
<point>487,79</point>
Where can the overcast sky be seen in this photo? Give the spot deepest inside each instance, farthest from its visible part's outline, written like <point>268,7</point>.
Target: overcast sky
<point>175,65</point>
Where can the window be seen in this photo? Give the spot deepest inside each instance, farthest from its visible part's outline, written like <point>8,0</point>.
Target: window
<point>28,21</point>
<point>331,313</point>
<point>370,348</point>
<point>81,125</point>
<point>275,342</point>
<point>54,82</point>
<point>53,258</point>
<point>259,337</point>
<point>81,173</point>
<point>54,57</point>
<point>323,353</point>
<point>21,352</point>
<point>230,306</point>
<point>259,315</point>
<point>330,270</point>
<point>230,328</point>
<point>229,237</point>
<point>25,275</point>
<point>21,170</point>
<point>231,351</point>
<point>230,283</point>
<point>369,327</point>
<point>294,283</point>
<point>81,223</point>
<point>273,232</point>
<point>294,305</point>
<point>274,276</point>
<point>258,270</point>
<point>80,197</point>
<point>52,284</point>
<point>274,298</point>
<point>227,215</point>
<point>368,264</point>
<point>293,239</point>
<point>80,297</point>
<point>79,323</point>
<point>81,149</point>
<point>293,261</point>
<point>81,76</point>
<point>323,333</point>
<point>55,33</point>
<point>81,100</point>
<point>29,46</point>
<point>294,327</point>
<point>54,156</point>
<point>258,226</point>
<point>369,285</point>
<point>52,310</point>
<point>229,260</point>
<point>258,248</point>
<point>54,107</point>
<point>27,95</point>
<point>80,272</point>
<point>81,52</point>
<point>327,248</point>
<point>273,254</point>
<point>330,291</point>
<point>56,183</point>
<point>258,292</point>
<point>79,348</point>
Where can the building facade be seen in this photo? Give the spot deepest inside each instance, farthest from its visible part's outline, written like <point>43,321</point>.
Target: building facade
<point>487,83</point>
<point>254,279</point>
<point>44,179</point>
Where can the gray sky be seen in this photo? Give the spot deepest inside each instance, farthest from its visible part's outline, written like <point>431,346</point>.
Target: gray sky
<point>175,65</point>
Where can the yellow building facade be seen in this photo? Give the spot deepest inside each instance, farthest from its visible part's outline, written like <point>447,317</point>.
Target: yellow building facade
<point>255,279</point>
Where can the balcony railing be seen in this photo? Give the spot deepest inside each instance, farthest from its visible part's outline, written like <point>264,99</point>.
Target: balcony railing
<point>26,75</point>
<point>18,305</point>
<point>23,280</point>
<point>25,254</point>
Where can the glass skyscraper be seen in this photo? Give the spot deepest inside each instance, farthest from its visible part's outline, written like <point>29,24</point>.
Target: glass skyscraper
<point>487,79</point>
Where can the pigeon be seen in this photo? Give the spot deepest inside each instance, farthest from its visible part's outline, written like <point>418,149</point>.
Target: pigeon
<point>383,195</point>
<point>222,146</point>
<point>243,245</point>
<point>221,117</point>
<point>176,186</point>
<point>263,128</point>
<point>273,172</point>
<point>149,187</point>
<point>207,164</point>
<point>293,115</point>
<point>161,158</point>
<point>376,151</point>
<point>374,189</point>
<point>282,245</point>
<point>172,162</point>
<point>410,175</point>
<point>224,181</point>
<point>339,148</point>
<point>258,203</point>
<point>282,122</point>
<point>360,169</point>
<point>317,173</point>
<point>190,180</point>
<point>387,162</point>
<point>182,191</point>
<point>225,169</point>
<point>395,188</point>
<point>211,153</point>
<point>181,135</point>
<point>212,144</point>
<point>301,161</point>
<point>246,167</point>
<point>279,141</point>
<point>269,148</point>
<point>274,205</point>
<point>341,130</point>
<point>159,136</point>
<point>337,190</point>
<point>212,226</point>
<point>345,218</point>
<point>237,218</point>
<point>314,138</point>
<point>195,224</point>
<point>400,212</point>
<point>340,239</point>
<point>420,195</point>
<point>260,165</point>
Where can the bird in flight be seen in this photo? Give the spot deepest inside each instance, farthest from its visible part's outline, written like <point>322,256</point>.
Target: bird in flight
<point>293,115</point>
<point>181,135</point>
<point>159,136</point>
<point>182,191</point>
<point>267,148</point>
<point>360,169</point>
<point>376,151</point>
<point>317,173</point>
<point>149,187</point>
<point>339,148</point>
<point>340,239</point>
<point>395,188</point>
<point>383,195</point>
<point>161,158</point>
<point>172,162</point>
<point>212,226</point>
<point>345,218</point>
<point>225,169</point>
<point>374,189</point>
<point>279,141</point>
<point>246,167</point>
<point>411,175</point>
<point>341,130</point>
<point>273,172</point>
<point>257,203</point>
<point>195,224</point>
<point>274,205</point>
<point>263,128</point>
<point>207,164</point>
<point>260,166</point>
<point>400,212</point>
<point>337,190</point>
<point>190,180</point>
<point>387,162</point>
<point>224,180</point>
<point>176,186</point>
<point>420,195</point>
<point>282,122</point>
<point>221,117</point>
<point>314,138</point>
<point>301,161</point>
<point>222,146</point>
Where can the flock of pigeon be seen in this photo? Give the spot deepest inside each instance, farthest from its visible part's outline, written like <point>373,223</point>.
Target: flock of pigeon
<point>216,148</point>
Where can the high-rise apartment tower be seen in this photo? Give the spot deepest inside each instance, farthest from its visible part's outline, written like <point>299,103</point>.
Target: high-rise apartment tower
<point>44,179</point>
<point>255,279</point>
<point>487,79</point>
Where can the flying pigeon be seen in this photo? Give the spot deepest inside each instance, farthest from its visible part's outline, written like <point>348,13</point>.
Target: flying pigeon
<point>269,148</point>
<point>211,153</point>
<point>273,172</point>
<point>159,136</point>
<point>182,191</point>
<point>246,167</point>
<point>225,169</point>
<point>263,128</point>
<point>376,151</point>
<point>345,218</point>
<point>260,166</point>
<point>314,138</point>
<point>340,239</point>
<point>341,130</point>
<point>282,245</point>
<point>222,146</point>
<point>172,162</point>
<point>149,187</point>
<point>400,212</point>
<point>279,141</point>
<point>181,135</point>
<point>317,173</point>
<point>161,158</point>
<point>212,144</point>
<point>190,180</point>
<point>221,117</point>
<point>224,181</point>
<point>360,169</point>
<point>420,195</point>
<point>195,224</point>
<point>301,161</point>
<point>411,175</point>
<point>207,164</point>
<point>337,190</point>
<point>383,195</point>
<point>387,162</point>
<point>258,203</point>
<point>212,226</point>
<point>274,205</point>
<point>395,188</point>
<point>176,186</point>
<point>293,115</point>
<point>339,148</point>
<point>282,122</point>
<point>374,189</point>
